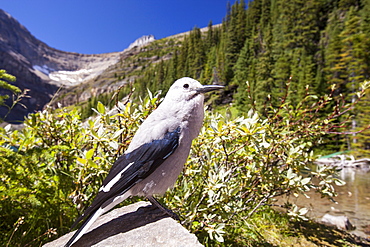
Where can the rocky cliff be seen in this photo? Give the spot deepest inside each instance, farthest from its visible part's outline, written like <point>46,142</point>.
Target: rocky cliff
<point>42,69</point>
<point>142,41</point>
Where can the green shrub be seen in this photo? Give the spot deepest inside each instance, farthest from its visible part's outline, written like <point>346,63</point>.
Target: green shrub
<point>52,168</point>
<point>240,166</point>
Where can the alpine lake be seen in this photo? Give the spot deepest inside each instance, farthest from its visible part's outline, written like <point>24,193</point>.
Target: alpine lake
<point>352,201</point>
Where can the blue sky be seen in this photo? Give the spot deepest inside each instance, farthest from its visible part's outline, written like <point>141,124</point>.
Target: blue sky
<point>97,26</point>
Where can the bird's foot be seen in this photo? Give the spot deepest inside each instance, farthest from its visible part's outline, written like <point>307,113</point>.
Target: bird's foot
<point>165,210</point>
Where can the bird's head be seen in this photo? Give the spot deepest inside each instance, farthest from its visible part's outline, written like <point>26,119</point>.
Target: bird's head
<point>186,89</point>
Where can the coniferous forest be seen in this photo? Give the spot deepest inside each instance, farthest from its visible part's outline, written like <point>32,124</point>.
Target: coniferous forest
<point>270,46</point>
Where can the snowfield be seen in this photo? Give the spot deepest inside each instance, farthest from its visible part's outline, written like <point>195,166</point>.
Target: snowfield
<point>73,77</point>
<point>65,78</point>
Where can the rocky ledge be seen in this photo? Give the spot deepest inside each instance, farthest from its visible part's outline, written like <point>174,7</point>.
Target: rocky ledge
<point>139,224</point>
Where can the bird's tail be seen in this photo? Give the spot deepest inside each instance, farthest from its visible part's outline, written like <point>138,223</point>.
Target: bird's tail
<point>105,207</point>
<point>85,226</point>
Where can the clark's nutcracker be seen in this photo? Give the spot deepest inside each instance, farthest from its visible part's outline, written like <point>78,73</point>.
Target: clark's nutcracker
<point>156,154</point>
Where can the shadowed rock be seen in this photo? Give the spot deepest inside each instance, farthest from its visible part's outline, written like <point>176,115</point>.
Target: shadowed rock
<point>139,224</point>
<point>341,222</point>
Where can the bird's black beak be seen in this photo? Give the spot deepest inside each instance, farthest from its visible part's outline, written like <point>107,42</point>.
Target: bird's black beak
<point>209,88</point>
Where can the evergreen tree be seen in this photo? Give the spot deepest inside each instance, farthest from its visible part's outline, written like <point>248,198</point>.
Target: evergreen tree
<point>183,67</point>
<point>173,67</point>
<point>354,57</point>
<point>234,37</point>
<point>245,77</point>
<point>332,46</point>
<point>196,55</point>
<point>264,79</point>
<point>160,75</point>
<point>211,39</point>
<point>210,67</point>
<point>361,140</point>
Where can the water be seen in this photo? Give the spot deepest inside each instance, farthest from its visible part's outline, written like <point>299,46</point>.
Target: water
<point>353,201</point>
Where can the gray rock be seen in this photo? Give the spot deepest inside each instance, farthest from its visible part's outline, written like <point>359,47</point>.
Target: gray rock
<point>341,222</point>
<point>146,39</point>
<point>138,224</point>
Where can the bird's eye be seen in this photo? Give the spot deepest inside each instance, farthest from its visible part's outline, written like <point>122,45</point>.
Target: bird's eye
<point>186,85</point>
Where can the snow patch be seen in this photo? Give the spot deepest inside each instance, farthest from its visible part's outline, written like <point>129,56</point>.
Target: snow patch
<point>70,77</point>
<point>44,69</point>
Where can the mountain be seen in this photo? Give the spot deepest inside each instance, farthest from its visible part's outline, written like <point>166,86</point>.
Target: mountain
<point>45,70</point>
<point>59,78</point>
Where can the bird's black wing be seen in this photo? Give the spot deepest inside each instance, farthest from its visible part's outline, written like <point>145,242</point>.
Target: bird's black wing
<point>131,168</point>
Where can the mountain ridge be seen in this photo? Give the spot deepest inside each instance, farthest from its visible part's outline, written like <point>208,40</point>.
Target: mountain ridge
<point>42,69</point>
<point>68,77</point>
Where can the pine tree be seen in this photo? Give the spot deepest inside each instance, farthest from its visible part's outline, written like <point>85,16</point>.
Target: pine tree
<point>173,66</point>
<point>234,38</point>
<point>245,77</point>
<point>210,67</point>
<point>211,39</point>
<point>355,57</point>
<point>183,66</point>
<point>196,55</point>
<point>333,70</point>
<point>361,141</point>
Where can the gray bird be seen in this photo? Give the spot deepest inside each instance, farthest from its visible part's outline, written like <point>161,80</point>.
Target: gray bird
<point>156,154</point>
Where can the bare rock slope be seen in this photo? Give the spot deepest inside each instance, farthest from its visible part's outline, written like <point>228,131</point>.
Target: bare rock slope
<point>43,69</point>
